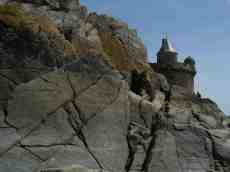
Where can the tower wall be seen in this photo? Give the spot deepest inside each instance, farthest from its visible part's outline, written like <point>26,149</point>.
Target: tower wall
<point>167,58</point>
<point>180,78</point>
<point>178,74</point>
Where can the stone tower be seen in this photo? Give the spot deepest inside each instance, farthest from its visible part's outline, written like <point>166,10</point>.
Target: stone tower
<point>167,54</point>
<point>177,73</point>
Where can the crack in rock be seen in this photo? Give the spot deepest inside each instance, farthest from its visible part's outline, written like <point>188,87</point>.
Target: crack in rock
<point>32,153</point>
<point>9,79</point>
<point>140,112</point>
<point>76,125</point>
<point>30,130</point>
<point>6,120</point>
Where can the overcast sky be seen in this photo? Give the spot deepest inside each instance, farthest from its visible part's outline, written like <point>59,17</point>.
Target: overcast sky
<point>199,28</point>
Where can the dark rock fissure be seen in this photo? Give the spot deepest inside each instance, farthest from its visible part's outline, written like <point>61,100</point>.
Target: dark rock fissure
<point>130,157</point>
<point>47,81</point>
<point>141,114</point>
<point>218,161</point>
<point>21,138</point>
<point>148,157</point>
<point>48,146</point>
<point>178,157</point>
<point>155,126</point>
<point>136,83</point>
<point>32,153</point>
<point>76,126</point>
<point>68,34</point>
<point>9,79</point>
<point>75,95</point>
<point>80,113</point>
<point>6,119</point>
<point>32,129</point>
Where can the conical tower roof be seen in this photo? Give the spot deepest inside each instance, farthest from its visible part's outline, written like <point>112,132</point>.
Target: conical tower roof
<point>166,46</point>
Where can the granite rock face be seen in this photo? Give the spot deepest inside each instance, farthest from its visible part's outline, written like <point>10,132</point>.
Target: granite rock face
<point>62,125</point>
<point>77,94</point>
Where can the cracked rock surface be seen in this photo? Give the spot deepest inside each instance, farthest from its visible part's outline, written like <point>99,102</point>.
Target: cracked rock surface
<point>62,125</point>
<point>77,95</point>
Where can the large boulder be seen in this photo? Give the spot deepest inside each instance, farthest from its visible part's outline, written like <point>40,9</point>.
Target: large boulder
<point>77,115</point>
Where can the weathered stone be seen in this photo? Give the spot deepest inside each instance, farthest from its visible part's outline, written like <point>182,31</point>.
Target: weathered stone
<point>164,154</point>
<point>9,137</point>
<point>60,123</point>
<point>181,111</point>
<point>209,108</point>
<point>41,97</point>
<point>64,156</point>
<point>208,121</point>
<point>105,132</point>
<point>74,168</point>
<point>56,130</point>
<point>20,160</point>
<point>226,122</point>
<point>141,111</point>
<point>221,141</point>
<point>2,117</point>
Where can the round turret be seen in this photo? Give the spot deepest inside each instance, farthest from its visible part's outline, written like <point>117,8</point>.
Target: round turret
<point>177,73</point>
<point>189,61</point>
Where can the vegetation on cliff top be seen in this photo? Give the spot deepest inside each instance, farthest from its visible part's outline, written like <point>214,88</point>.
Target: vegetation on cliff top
<point>13,15</point>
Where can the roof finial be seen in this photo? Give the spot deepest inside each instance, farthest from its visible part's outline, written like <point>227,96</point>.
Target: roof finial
<point>164,35</point>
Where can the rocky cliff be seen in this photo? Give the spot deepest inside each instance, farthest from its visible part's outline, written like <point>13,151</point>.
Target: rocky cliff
<point>77,94</point>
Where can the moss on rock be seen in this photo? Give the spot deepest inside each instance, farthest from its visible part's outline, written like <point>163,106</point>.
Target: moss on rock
<point>13,15</point>
<point>117,52</point>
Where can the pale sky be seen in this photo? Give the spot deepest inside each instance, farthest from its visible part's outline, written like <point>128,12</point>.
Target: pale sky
<point>198,28</point>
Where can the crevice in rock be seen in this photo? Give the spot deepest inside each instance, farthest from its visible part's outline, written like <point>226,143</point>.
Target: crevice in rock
<point>218,161</point>
<point>66,142</point>
<point>68,34</point>
<point>32,153</point>
<point>21,138</point>
<point>141,114</point>
<point>137,138</point>
<point>9,79</point>
<point>47,81</point>
<point>197,117</point>
<point>149,153</point>
<point>80,113</point>
<point>155,126</point>
<point>31,129</point>
<point>136,83</point>
<point>131,156</point>
<point>6,119</point>
<point>77,127</point>
<point>76,95</point>
<point>178,154</point>
<point>48,146</point>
